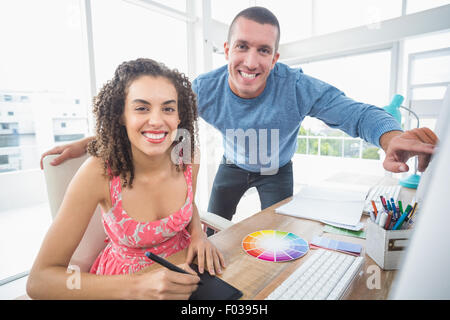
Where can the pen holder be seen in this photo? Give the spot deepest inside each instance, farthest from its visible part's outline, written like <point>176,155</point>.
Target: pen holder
<point>386,247</point>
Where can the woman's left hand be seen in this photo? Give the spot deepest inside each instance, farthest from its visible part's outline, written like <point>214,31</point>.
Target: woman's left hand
<point>207,254</point>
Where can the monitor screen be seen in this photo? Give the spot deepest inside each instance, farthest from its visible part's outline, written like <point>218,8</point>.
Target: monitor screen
<point>425,269</point>
<point>442,124</point>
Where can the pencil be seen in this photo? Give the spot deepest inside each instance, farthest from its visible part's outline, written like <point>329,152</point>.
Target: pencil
<point>410,215</point>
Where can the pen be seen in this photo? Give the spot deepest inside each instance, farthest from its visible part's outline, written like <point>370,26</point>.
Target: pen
<point>377,218</point>
<point>408,212</point>
<point>400,221</point>
<point>411,216</point>
<point>388,221</point>
<point>375,211</point>
<point>383,219</point>
<point>394,208</point>
<point>372,217</point>
<point>383,202</point>
<point>400,207</point>
<point>166,263</point>
<point>393,221</point>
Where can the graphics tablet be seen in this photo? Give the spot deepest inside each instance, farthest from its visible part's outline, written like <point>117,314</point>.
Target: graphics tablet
<point>213,288</point>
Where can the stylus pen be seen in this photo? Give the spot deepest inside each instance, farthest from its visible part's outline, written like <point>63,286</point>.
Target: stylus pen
<point>166,263</point>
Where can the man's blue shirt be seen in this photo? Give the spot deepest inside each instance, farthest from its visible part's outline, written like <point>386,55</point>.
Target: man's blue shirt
<point>261,133</point>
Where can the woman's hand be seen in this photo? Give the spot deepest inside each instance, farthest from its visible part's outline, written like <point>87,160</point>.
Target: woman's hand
<point>164,284</point>
<point>207,254</point>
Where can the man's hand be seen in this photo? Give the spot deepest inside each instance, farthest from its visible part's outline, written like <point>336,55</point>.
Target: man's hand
<point>68,151</point>
<point>400,146</point>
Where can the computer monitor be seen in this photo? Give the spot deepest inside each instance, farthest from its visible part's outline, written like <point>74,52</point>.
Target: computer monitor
<point>441,124</point>
<point>425,269</point>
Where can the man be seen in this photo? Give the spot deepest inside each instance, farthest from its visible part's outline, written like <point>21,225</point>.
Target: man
<point>258,100</point>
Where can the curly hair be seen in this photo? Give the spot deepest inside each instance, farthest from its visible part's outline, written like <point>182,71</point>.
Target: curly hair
<point>111,143</point>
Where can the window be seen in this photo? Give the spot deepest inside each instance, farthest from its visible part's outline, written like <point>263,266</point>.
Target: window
<point>42,70</point>
<point>331,16</point>
<point>4,159</point>
<point>225,11</point>
<point>8,140</point>
<point>68,137</point>
<point>363,77</point>
<point>124,31</point>
<point>295,18</point>
<point>413,6</point>
<point>38,87</point>
<point>431,69</point>
<point>425,82</point>
<point>179,5</point>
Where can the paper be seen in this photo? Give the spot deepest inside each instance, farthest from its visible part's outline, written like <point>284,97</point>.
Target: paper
<point>345,232</point>
<point>359,226</point>
<point>329,204</point>
<point>346,247</point>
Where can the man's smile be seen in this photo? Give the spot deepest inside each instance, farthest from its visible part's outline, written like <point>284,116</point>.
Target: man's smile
<point>248,75</point>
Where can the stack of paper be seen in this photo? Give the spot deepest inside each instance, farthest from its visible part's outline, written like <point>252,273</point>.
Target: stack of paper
<point>344,232</point>
<point>331,205</point>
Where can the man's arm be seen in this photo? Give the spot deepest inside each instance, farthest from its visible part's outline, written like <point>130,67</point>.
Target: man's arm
<point>400,146</point>
<point>68,151</point>
<point>371,123</point>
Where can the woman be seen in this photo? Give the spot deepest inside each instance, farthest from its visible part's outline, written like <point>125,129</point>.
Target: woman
<point>144,183</point>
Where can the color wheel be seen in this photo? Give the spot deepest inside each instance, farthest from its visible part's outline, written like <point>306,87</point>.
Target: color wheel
<point>273,245</point>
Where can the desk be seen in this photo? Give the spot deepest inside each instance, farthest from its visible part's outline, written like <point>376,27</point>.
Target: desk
<point>257,278</point>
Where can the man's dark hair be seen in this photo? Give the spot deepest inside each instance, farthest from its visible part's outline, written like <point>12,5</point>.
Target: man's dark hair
<point>260,15</point>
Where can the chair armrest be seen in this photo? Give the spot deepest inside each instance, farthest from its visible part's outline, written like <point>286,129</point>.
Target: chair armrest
<point>214,221</point>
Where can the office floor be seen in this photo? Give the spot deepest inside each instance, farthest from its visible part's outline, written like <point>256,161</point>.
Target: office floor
<point>17,227</point>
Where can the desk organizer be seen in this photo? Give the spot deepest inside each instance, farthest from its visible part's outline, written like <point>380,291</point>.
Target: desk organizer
<point>386,247</point>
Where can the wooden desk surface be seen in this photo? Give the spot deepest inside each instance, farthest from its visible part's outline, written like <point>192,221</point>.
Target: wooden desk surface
<point>257,278</point>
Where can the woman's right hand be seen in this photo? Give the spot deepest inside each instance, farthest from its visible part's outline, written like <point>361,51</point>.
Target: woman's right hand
<point>68,151</point>
<point>164,284</point>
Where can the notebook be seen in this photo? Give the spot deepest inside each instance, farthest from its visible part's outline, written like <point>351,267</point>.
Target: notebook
<point>329,204</point>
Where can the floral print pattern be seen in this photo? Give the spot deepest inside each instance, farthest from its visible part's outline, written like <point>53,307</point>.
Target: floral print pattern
<point>128,240</point>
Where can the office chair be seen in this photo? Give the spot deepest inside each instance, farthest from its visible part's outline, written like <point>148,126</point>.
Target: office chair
<point>57,179</point>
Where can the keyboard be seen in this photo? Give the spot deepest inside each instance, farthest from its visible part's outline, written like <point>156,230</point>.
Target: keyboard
<point>380,190</point>
<point>326,275</point>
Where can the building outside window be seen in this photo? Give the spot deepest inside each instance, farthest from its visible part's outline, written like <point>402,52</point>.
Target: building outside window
<point>44,99</point>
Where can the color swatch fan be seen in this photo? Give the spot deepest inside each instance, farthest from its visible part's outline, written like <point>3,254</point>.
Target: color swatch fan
<point>273,245</point>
